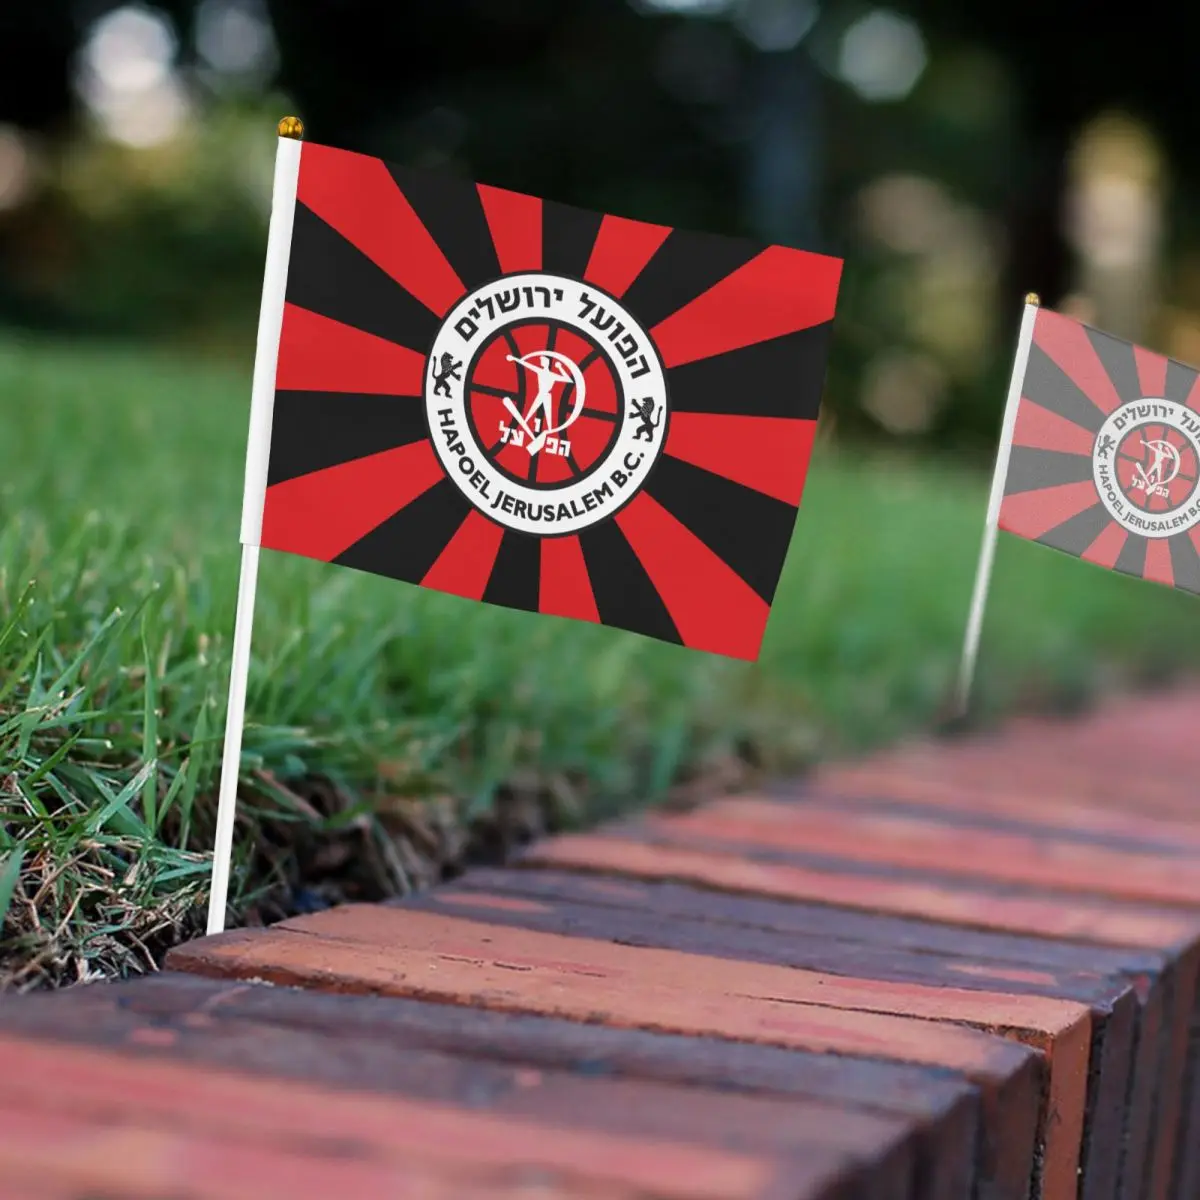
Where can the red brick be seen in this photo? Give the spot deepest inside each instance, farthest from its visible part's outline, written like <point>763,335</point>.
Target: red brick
<point>899,839</point>
<point>1079,774</point>
<point>929,785</point>
<point>70,1083</point>
<point>80,1159</point>
<point>954,902</point>
<point>69,1158</point>
<point>505,1062</point>
<point>565,908</point>
<point>770,1126</point>
<point>437,957</point>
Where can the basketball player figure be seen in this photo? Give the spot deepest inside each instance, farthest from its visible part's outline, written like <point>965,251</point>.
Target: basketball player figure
<point>547,377</point>
<point>1165,457</point>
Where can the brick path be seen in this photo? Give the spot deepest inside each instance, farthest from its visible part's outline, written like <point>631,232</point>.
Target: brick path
<point>953,971</point>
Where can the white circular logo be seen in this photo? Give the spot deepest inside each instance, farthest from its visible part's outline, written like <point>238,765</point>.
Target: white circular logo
<point>1146,463</point>
<point>546,402</point>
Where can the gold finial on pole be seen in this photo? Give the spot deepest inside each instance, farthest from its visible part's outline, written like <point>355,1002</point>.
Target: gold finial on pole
<point>291,127</point>
<point>1030,297</point>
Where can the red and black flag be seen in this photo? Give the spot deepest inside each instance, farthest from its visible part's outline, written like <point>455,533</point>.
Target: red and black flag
<point>1105,454</point>
<point>541,407</point>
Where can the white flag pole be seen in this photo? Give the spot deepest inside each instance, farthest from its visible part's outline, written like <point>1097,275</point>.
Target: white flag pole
<point>262,403</point>
<point>983,573</point>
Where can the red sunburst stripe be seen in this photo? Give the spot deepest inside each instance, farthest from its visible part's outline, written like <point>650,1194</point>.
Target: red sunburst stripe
<point>323,514</point>
<point>1152,371</point>
<point>529,339</point>
<point>317,354</point>
<point>622,249</point>
<point>356,195</point>
<point>1031,514</point>
<point>1107,547</point>
<point>515,222</point>
<point>1041,429</point>
<point>1066,342</point>
<point>464,566</point>
<point>566,588</point>
<point>777,292</point>
<point>1158,562</point>
<point>768,454</point>
<point>713,608</point>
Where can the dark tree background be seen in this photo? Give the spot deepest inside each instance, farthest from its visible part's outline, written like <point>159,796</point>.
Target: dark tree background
<point>672,118</point>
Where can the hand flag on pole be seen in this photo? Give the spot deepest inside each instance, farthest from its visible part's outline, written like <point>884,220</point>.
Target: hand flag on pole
<point>1099,458</point>
<point>1106,454</point>
<point>540,407</point>
<point>526,404</point>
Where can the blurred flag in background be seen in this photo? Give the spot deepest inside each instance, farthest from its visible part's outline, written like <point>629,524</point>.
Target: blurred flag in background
<point>1105,454</point>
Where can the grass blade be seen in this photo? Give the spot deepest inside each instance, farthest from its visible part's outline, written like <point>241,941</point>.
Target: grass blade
<point>9,874</point>
<point>119,803</point>
<point>149,729</point>
<point>192,771</point>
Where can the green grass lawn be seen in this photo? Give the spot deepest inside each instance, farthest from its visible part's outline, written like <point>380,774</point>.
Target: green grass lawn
<point>118,564</point>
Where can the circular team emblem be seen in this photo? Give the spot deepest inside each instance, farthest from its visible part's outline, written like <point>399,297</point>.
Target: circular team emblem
<point>1146,464</point>
<point>546,402</point>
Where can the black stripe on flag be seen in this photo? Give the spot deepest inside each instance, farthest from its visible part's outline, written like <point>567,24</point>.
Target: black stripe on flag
<point>1077,533</point>
<point>1118,361</point>
<point>451,211</point>
<point>788,374</point>
<point>625,597</point>
<point>330,277</point>
<point>1031,469</point>
<point>1047,384</point>
<point>748,531</point>
<point>685,266</point>
<point>314,430</point>
<point>1180,381</point>
<point>407,544</point>
<point>568,235</point>
<point>1185,563</point>
<point>516,574</point>
<point>1132,559</point>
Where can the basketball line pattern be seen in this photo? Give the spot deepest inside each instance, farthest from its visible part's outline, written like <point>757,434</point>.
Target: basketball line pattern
<point>488,416</point>
<point>1142,456</point>
<point>380,256</point>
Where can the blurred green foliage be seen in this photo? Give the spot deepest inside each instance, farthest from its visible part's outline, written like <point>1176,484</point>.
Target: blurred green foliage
<point>714,114</point>
<point>605,104</point>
